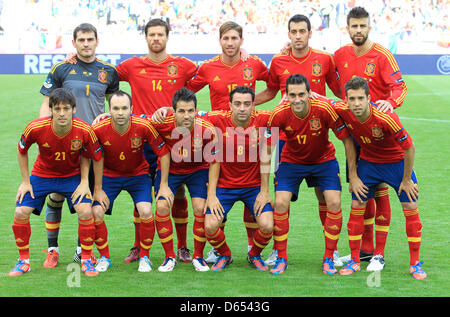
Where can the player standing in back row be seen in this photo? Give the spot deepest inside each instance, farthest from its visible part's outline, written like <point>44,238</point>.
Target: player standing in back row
<point>222,74</point>
<point>319,69</point>
<point>154,79</point>
<point>377,65</point>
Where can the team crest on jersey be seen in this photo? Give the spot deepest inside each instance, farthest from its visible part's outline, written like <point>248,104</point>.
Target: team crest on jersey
<point>136,142</point>
<point>377,133</point>
<point>76,145</point>
<point>317,69</point>
<point>172,70</point>
<point>248,73</point>
<point>315,124</point>
<point>102,76</point>
<point>370,69</point>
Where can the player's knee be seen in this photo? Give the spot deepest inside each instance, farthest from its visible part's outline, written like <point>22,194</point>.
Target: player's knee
<point>84,211</point>
<point>198,205</point>
<point>144,209</point>
<point>145,213</point>
<point>211,224</point>
<point>281,205</point>
<point>22,213</point>
<point>266,226</point>
<point>98,212</point>
<point>162,207</point>
<point>334,204</point>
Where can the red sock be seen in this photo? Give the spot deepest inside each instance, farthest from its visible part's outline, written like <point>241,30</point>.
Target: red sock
<point>22,232</point>
<point>165,233</point>
<point>86,233</point>
<point>136,222</point>
<point>101,238</point>
<point>180,216</point>
<point>355,229</point>
<point>218,242</point>
<point>260,241</point>
<point>414,233</point>
<point>199,235</point>
<point>250,225</point>
<point>369,219</point>
<point>332,229</point>
<point>147,234</point>
<point>280,232</point>
<point>382,219</point>
<point>322,212</point>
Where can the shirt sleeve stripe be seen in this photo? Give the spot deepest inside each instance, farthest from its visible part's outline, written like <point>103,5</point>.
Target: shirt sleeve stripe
<point>391,122</point>
<point>35,125</point>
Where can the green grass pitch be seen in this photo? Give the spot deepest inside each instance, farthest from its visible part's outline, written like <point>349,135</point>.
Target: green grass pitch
<point>426,116</point>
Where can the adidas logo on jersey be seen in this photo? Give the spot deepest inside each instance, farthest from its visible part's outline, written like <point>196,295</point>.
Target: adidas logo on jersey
<point>216,78</point>
<point>143,71</point>
<point>286,72</point>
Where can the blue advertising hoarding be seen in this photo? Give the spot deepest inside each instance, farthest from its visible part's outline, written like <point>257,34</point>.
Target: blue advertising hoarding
<point>41,63</point>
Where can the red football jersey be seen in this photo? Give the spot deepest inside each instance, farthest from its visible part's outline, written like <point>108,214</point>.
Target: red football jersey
<point>317,66</point>
<point>222,79</point>
<point>307,138</point>
<point>124,153</point>
<point>191,151</point>
<point>154,84</point>
<point>382,137</point>
<point>378,67</point>
<point>239,148</point>
<point>59,156</point>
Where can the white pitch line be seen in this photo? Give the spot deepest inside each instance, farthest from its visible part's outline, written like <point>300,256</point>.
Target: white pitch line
<point>423,119</point>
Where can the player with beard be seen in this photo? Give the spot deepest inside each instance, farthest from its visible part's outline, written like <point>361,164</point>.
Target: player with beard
<point>222,74</point>
<point>377,65</point>
<point>319,68</point>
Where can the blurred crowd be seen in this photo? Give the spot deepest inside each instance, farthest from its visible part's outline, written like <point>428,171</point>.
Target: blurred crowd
<point>45,24</point>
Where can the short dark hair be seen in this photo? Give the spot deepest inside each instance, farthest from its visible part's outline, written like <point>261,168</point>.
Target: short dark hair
<point>357,13</point>
<point>185,95</point>
<point>242,90</point>
<point>61,96</point>
<point>119,93</point>
<point>299,18</point>
<point>157,22</point>
<point>297,79</point>
<point>84,28</point>
<point>230,25</point>
<point>357,83</point>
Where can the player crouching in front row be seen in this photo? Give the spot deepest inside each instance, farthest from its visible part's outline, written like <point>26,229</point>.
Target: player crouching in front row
<point>122,137</point>
<point>387,155</point>
<point>238,176</point>
<point>65,146</point>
